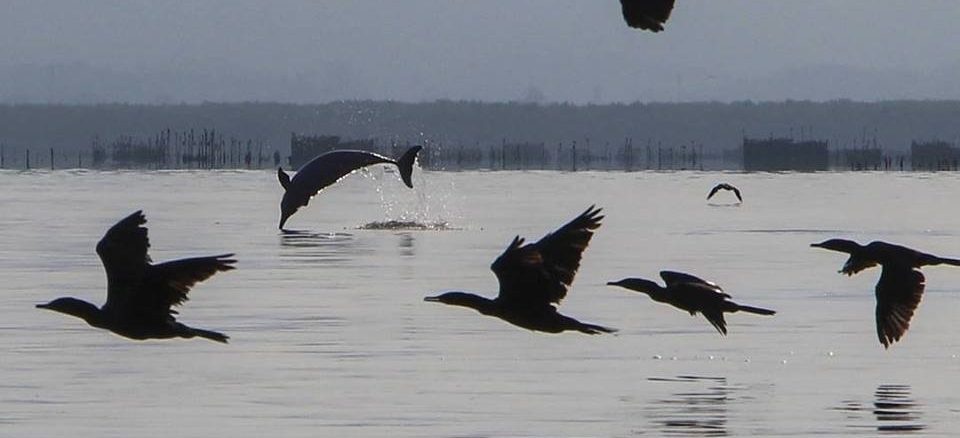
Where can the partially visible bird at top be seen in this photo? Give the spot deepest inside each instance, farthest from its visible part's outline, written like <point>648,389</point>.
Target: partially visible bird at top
<point>140,294</point>
<point>901,283</point>
<point>646,14</point>
<point>329,168</point>
<point>692,294</point>
<point>534,277</point>
<point>725,186</point>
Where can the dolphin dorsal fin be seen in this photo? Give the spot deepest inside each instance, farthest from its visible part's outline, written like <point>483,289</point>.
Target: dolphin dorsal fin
<point>283,177</point>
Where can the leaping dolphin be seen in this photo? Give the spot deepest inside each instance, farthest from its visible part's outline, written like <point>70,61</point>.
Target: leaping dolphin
<point>329,168</point>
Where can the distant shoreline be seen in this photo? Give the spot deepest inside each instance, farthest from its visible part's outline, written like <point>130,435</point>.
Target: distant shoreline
<point>711,128</point>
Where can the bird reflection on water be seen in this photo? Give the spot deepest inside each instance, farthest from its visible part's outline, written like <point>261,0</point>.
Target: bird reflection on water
<point>692,413</point>
<point>895,411</point>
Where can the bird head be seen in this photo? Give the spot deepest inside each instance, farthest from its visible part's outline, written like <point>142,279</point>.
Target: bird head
<point>71,306</point>
<point>842,245</point>
<point>637,284</point>
<point>460,299</point>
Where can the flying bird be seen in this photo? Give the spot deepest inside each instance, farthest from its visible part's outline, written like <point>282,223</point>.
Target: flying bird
<point>646,14</point>
<point>534,277</point>
<point>901,284</point>
<point>695,295</point>
<point>140,294</point>
<point>329,168</point>
<point>725,186</point>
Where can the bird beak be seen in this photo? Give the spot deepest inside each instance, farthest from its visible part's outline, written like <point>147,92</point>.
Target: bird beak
<point>283,220</point>
<point>432,299</point>
<point>613,283</point>
<point>817,245</point>
<point>42,306</point>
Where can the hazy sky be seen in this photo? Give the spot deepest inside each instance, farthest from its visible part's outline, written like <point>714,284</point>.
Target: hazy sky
<point>412,50</point>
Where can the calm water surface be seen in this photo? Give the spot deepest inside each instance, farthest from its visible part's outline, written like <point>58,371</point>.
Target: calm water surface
<point>330,336</point>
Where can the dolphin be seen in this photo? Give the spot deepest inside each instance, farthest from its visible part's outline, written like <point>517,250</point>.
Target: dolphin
<point>329,168</point>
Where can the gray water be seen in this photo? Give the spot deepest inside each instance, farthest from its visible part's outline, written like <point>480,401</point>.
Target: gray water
<point>330,336</point>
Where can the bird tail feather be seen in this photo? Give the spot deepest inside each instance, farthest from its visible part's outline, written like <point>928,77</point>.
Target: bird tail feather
<point>405,164</point>
<point>756,310</point>
<point>592,329</point>
<point>210,334</point>
<point>951,262</point>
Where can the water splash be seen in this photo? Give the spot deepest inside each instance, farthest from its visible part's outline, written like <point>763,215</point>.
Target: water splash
<point>399,225</point>
<point>430,205</point>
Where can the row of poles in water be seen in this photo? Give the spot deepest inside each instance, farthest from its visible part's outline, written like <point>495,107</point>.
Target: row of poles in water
<point>212,152</point>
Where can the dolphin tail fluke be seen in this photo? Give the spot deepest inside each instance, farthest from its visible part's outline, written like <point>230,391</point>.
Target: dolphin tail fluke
<point>283,177</point>
<point>405,164</point>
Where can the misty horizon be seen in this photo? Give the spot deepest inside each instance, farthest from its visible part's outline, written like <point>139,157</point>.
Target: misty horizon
<point>426,50</point>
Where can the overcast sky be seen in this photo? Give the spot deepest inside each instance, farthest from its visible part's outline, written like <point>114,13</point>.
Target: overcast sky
<point>413,50</point>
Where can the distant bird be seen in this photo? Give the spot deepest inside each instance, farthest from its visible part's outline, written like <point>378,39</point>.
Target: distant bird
<point>901,284</point>
<point>534,277</point>
<point>329,168</point>
<point>686,292</point>
<point>725,186</point>
<point>646,14</point>
<point>140,294</point>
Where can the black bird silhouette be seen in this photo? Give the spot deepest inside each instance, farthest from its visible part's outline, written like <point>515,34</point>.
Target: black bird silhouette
<point>695,295</point>
<point>725,186</point>
<point>534,277</point>
<point>329,168</point>
<point>646,14</point>
<point>901,284</point>
<point>140,294</point>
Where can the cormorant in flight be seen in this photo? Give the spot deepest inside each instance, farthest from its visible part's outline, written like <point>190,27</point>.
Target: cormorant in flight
<point>901,284</point>
<point>725,186</point>
<point>329,168</point>
<point>646,14</point>
<point>534,277</point>
<point>140,294</point>
<point>686,292</point>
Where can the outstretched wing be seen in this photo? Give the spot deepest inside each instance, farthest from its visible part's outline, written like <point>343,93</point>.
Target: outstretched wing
<point>168,283</point>
<point>736,191</point>
<point>646,14</point>
<point>123,251</point>
<point>716,320</point>
<point>672,278</point>
<point>899,292</point>
<point>714,190</point>
<point>855,264</point>
<point>541,272</point>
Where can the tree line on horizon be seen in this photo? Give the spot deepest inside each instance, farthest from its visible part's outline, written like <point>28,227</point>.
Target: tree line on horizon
<point>711,128</point>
